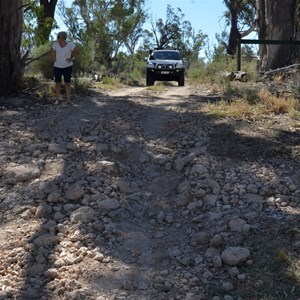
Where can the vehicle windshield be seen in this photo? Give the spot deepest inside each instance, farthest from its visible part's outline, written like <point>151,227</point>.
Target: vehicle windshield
<point>173,55</point>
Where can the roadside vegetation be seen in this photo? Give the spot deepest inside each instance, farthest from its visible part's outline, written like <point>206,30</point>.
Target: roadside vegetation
<point>104,66</point>
<point>249,101</point>
<point>238,99</point>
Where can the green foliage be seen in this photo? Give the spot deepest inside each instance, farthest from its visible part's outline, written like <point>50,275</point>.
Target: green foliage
<point>38,23</point>
<point>198,72</point>
<point>110,81</point>
<point>111,25</point>
<point>87,61</point>
<point>219,49</point>
<point>211,72</point>
<point>47,90</point>
<point>175,32</point>
<point>241,16</point>
<point>282,256</point>
<point>250,67</point>
<point>107,33</point>
<point>214,70</point>
<point>251,96</point>
<point>139,67</point>
<point>36,83</point>
<point>248,103</point>
<point>82,84</point>
<point>223,63</point>
<point>41,62</point>
<point>29,82</point>
<point>131,79</point>
<point>168,33</point>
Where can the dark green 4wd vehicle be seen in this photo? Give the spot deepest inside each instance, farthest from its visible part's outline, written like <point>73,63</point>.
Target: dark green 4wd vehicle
<point>164,65</point>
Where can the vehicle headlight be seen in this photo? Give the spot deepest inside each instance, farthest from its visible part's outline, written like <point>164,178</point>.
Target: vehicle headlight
<point>150,66</point>
<point>179,65</point>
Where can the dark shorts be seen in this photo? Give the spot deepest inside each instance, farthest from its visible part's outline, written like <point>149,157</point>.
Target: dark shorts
<point>66,72</point>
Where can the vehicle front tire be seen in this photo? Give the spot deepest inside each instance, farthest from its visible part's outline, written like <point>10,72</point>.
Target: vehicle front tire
<point>149,80</point>
<point>181,80</point>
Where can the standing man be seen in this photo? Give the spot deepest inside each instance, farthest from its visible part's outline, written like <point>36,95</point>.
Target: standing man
<point>63,53</point>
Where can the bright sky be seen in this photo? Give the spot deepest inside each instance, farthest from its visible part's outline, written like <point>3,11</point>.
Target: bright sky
<point>204,15</point>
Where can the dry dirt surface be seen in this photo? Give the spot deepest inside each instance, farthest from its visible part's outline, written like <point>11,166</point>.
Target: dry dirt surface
<point>138,193</point>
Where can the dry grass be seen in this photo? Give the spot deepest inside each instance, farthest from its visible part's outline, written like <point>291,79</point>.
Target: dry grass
<point>277,105</point>
<point>250,103</point>
<point>237,109</point>
<point>159,87</point>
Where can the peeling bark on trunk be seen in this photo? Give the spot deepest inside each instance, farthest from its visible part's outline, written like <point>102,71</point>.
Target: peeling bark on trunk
<point>11,16</point>
<point>276,21</point>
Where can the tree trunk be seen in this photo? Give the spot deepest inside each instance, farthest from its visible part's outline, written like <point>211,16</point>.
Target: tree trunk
<point>11,71</point>
<point>276,21</point>
<point>45,21</point>
<point>234,34</point>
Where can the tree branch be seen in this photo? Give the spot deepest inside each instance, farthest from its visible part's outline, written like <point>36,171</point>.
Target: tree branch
<point>32,59</point>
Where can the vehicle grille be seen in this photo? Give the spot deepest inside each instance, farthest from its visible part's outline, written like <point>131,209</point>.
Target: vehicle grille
<point>165,66</point>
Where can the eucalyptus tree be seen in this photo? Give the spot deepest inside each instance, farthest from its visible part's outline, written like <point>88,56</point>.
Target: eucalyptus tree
<point>240,15</point>
<point>11,62</point>
<point>14,47</point>
<point>277,20</point>
<point>45,20</point>
<point>136,21</point>
<point>192,43</point>
<point>167,33</point>
<point>176,32</point>
<point>110,24</point>
<point>38,21</point>
<point>272,20</point>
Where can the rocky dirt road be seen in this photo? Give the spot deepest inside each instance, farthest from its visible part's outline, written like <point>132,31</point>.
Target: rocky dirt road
<point>139,194</point>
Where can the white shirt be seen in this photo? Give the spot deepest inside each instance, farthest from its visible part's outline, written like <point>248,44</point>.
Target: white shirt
<point>62,54</point>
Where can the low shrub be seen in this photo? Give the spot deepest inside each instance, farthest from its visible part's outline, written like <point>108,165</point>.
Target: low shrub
<point>82,84</point>
<point>277,105</point>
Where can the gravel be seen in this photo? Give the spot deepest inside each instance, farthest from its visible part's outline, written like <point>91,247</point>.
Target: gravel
<point>126,195</point>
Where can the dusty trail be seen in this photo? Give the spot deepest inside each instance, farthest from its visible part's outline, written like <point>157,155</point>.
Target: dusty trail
<point>139,194</point>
